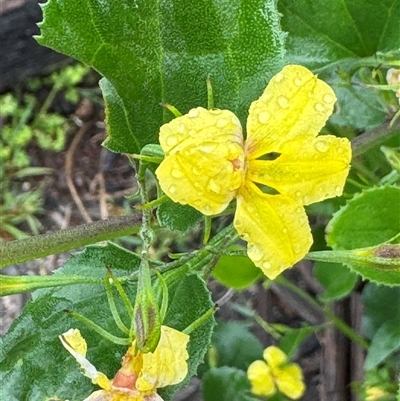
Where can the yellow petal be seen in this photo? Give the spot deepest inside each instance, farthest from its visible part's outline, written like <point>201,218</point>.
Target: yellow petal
<point>289,380</point>
<point>73,341</point>
<point>294,103</point>
<point>274,356</point>
<point>259,375</point>
<point>167,365</point>
<point>204,159</point>
<point>275,227</point>
<point>200,126</point>
<point>308,170</point>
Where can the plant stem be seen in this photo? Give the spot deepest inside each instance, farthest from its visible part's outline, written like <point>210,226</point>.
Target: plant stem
<point>64,240</point>
<point>339,323</point>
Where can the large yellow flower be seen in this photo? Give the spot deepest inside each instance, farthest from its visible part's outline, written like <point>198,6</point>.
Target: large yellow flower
<point>276,374</point>
<point>280,167</point>
<point>141,374</point>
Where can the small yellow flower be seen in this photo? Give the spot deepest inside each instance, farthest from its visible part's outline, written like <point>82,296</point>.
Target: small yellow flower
<point>140,375</point>
<point>280,167</point>
<point>276,374</point>
<point>375,394</point>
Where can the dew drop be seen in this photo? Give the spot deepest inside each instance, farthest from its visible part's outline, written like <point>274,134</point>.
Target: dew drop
<point>263,117</point>
<point>298,194</point>
<point>306,199</point>
<point>222,122</point>
<point>338,189</point>
<point>172,141</point>
<point>256,253</point>
<point>279,77</point>
<point>284,230</point>
<point>181,128</point>
<point>250,209</point>
<point>266,265</point>
<point>329,98</point>
<point>176,173</point>
<point>214,186</point>
<point>319,107</point>
<point>283,102</point>
<point>193,113</point>
<point>172,189</point>
<point>321,146</point>
<point>340,150</point>
<point>298,81</point>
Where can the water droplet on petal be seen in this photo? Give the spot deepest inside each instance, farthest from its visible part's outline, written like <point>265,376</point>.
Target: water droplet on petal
<point>284,230</point>
<point>306,199</point>
<point>338,190</point>
<point>298,81</point>
<point>181,128</point>
<point>176,173</point>
<point>263,117</point>
<point>196,171</point>
<point>266,265</point>
<point>172,141</point>
<point>283,102</point>
<point>298,194</point>
<point>222,122</point>
<point>172,189</point>
<point>214,186</point>
<point>319,107</point>
<point>329,98</point>
<point>256,253</point>
<point>250,209</point>
<point>279,77</point>
<point>193,113</point>
<point>340,150</point>
<point>321,146</point>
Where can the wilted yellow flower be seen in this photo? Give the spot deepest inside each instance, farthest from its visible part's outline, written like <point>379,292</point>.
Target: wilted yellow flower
<point>280,167</point>
<point>276,374</point>
<point>140,375</point>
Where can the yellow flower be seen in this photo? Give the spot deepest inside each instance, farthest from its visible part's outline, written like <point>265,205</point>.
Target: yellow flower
<point>276,374</point>
<point>140,375</point>
<point>375,394</point>
<point>280,167</point>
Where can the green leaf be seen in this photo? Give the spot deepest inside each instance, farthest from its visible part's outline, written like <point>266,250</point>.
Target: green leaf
<point>226,384</point>
<point>236,346</point>
<point>338,280</point>
<point>34,365</point>
<point>153,51</point>
<point>369,218</point>
<point>321,32</point>
<point>236,271</point>
<point>338,40</point>
<point>177,217</point>
<point>292,339</point>
<point>385,342</point>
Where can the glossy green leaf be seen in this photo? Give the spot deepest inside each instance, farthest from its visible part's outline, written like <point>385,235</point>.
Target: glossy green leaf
<point>226,384</point>
<point>178,217</point>
<point>337,280</point>
<point>34,365</point>
<point>339,40</point>
<point>321,33</point>
<point>153,51</point>
<point>381,304</point>
<point>385,342</point>
<point>235,345</point>
<point>236,271</point>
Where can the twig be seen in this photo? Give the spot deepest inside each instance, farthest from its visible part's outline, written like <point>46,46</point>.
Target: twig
<point>68,170</point>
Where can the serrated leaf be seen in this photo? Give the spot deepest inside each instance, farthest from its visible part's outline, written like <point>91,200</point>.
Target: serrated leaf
<point>226,384</point>
<point>236,346</point>
<point>177,217</point>
<point>34,365</point>
<point>337,280</point>
<point>381,304</point>
<point>162,51</point>
<point>385,342</point>
<point>236,271</point>
<point>369,218</point>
